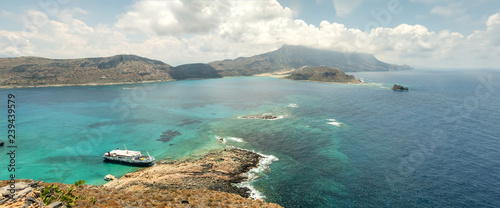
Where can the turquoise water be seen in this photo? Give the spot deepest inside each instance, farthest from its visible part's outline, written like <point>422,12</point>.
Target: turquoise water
<point>338,145</point>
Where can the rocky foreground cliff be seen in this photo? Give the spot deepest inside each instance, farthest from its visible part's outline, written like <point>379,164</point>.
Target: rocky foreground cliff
<point>205,182</point>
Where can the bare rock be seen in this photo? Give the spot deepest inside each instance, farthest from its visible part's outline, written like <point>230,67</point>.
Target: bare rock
<point>22,193</point>
<point>56,204</point>
<point>399,88</point>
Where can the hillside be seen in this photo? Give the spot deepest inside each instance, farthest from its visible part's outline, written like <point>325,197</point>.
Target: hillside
<point>35,71</point>
<point>194,71</point>
<point>322,74</point>
<point>295,57</point>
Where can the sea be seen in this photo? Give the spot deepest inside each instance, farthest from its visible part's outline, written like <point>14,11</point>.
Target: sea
<point>331,145</point>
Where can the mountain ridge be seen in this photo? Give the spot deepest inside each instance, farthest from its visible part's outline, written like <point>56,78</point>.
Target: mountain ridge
<point>294,57</point>
<point>28,71</point>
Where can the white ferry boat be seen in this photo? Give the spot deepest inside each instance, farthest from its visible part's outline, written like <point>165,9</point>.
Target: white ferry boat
<point>128,156</point>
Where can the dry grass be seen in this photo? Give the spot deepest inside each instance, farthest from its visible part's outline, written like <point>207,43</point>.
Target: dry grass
<point>169,185</point>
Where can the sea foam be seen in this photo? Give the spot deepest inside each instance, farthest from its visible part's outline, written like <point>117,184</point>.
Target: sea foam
<point>220,139</point>
<point>293,105</point>
<point>236,139</point>
<point>223,140</point>
<point>255,173</point>
<point>334,122</point>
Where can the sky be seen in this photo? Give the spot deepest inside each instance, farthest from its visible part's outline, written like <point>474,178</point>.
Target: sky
<point>420,33</point>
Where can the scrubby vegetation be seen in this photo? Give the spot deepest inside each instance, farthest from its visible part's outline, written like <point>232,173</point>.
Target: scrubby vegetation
<point>53,193</point>
<point>100,196</point>
<point>34,71</point>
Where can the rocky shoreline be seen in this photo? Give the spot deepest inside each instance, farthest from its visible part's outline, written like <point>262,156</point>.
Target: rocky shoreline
<point>208,181</point>
<point>216,171</point>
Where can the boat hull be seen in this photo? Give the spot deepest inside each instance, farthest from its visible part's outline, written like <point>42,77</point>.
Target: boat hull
<point>129,157</point>
<point>116,161</point>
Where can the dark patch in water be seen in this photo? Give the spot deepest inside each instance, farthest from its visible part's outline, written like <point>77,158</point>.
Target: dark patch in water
<point>193,105</point>
<point>188,121</point>
<point>64,159</point>
<point>119,122</point>
<point>166,136</point>
<point>171,145</point>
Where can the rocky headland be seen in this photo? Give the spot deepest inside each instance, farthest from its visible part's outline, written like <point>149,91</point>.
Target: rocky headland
<point>216,171</point>
<point>205,182</point>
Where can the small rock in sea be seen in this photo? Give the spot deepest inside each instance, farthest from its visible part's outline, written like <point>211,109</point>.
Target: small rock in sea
<point>109,177</point>
<point>399,87</point>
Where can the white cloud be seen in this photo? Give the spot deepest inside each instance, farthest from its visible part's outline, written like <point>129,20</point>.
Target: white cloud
<point>485,41</point>
<point>173,17</point>
<point>245,29</point>
<point>424,1</point>
<point>343,8</point>
<point>493,20</point>
<point>5,13</point>
<point>450,10</point>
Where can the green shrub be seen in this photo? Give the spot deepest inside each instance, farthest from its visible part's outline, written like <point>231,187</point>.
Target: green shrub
<point>53,193</point>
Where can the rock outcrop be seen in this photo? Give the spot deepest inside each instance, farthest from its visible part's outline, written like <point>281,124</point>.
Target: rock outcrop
<point>23,195</point>
<point>399,88</point>
<point>216,171</point>
<point>262,117</point>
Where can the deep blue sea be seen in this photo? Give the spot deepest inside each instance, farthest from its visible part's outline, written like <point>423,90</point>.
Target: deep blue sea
<point>336,145</point>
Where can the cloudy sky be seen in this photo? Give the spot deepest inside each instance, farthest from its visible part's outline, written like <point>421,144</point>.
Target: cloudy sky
<point>421,33</point>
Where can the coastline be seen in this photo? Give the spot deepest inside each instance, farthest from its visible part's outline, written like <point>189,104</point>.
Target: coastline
<point>280,75</point>
<point>218,171</point>
<point>350,82</point>
<point>85,84</point>
<point>216,179</point>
